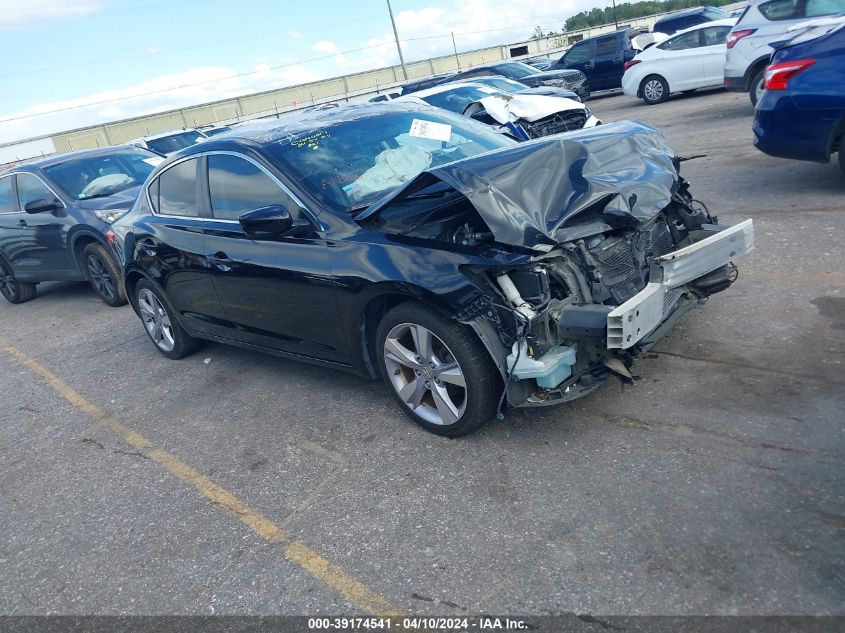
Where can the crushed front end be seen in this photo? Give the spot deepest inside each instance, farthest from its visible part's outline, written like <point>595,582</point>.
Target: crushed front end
<point>599,250</point>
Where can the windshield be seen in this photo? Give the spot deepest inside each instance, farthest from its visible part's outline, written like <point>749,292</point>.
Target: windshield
<point>174,142</point>
<point>103,175</point>
<point>457,99</point>
<point>353,163</point>
<point>502,83</point>
<point>516,70</point>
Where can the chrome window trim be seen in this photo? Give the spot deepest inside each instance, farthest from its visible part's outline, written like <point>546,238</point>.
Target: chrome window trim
<point>41,180</point>
<point>280,184</point>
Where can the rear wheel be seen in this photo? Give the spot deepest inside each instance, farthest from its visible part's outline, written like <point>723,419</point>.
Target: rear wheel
<point>437,370</point>
<point>654,89</point>
<point>13,290</point>
<point>160,323</point>
<point>104,275</point>
<point>755,90</point>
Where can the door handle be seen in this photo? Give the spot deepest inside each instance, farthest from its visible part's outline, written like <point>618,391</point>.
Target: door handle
<point>588,65</point>
<point>149,247</point>
<point>221,260</point>
<point>22,223</point>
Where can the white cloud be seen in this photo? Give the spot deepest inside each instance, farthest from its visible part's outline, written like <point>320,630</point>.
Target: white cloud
<point>17,14</point>
<point>325,46</point>
<point>177,90</point>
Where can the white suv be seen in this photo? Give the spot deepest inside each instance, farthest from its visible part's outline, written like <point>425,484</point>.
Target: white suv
<point>764,22</point>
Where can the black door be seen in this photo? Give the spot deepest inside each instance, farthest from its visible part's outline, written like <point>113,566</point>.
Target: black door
<point>43,250</point>
<point>278,293</point>
<point>170,247</point>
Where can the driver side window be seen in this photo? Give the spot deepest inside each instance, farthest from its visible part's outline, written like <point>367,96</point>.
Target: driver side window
<point>578,53</point>
<point>237,185</point>
<point>31,189</point>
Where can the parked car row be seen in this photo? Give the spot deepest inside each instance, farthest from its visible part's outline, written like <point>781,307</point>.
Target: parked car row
<point>470,272</point>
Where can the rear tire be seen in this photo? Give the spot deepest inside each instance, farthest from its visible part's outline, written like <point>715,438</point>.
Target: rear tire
<point>160,323</point>
<point>755,89</point>
<point>103,273</point>
<point>654,89</point>
<point>13,290</point>
<point>439,372</point>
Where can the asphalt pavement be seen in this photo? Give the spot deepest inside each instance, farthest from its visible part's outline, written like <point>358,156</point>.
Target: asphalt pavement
<point>238,483</point>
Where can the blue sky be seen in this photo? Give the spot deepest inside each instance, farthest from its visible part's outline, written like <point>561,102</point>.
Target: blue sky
<point>70,53</point>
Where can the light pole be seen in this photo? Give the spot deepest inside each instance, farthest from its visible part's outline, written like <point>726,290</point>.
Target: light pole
<point>615,23</point>
<point>396,35</point>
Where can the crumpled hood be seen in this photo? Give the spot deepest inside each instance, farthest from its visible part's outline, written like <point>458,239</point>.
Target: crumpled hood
<point>120,200</point>
<point>529,107</point>
<point>531,194</point>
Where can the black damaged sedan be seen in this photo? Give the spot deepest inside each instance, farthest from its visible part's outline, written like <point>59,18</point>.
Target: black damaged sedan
<point>471,273</point>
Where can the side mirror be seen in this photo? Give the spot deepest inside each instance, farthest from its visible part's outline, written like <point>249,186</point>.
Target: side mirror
<point>273,221</point>
<point>42,206</point>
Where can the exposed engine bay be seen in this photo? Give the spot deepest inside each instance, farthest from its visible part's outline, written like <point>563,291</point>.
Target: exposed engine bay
<point>615,249</point>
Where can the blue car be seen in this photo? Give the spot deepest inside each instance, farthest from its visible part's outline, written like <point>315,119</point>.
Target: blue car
<point>801,113</point>
<point>55,214</point>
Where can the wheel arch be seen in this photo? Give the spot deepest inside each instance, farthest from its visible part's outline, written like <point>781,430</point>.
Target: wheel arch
<point>758,65</point>
<point>387,297</point>
<point>79,240</point>
<point>131,280</point>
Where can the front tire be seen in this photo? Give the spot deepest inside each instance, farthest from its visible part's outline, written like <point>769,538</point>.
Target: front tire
<point>104,275</point>
<point>158,317</point>
<point>437,369</point>
<point>654,89</point>
<point>13,290</point>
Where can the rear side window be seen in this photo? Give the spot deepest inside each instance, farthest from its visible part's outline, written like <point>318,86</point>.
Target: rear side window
<point>237,185</point>
<point>796,9</point>
<point>681,42</point>
<point>7,204</point>
<point>177,187</point>
<point>605,46</point>
<point>31,189</point>
<point>715,35</point>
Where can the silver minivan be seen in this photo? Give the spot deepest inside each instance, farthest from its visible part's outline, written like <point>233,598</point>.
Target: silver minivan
<point>764,22</point>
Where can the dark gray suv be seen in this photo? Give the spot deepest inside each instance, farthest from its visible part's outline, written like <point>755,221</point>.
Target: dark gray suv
<point>54,214</point>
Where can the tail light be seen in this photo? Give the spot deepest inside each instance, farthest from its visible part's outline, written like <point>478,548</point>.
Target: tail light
<point>734,37</point>
<point>110,238</point>
<point>778,75</point>
<point>633,62</point>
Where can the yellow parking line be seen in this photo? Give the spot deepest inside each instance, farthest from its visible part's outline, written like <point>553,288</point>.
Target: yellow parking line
<point>293,549</point>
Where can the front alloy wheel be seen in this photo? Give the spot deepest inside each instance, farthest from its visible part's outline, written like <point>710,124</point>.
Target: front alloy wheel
<point>425,374</point>
<point>103,273</point>
<point>437,369</point>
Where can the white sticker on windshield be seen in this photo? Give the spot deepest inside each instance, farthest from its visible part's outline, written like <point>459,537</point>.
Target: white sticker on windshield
<point>430,130</point>
<point>154,160</point>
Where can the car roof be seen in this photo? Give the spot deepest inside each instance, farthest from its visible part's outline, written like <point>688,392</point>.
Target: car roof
<point>684,13</point>
<point>55,159</point>
<point>704,25</point>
